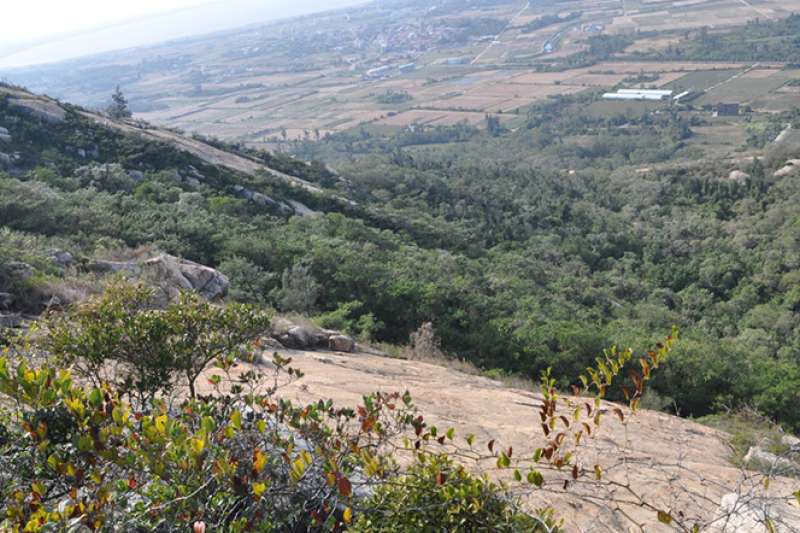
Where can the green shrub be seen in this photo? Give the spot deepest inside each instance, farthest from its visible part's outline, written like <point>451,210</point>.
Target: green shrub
<point>439,495</point>
<point>123,337</point>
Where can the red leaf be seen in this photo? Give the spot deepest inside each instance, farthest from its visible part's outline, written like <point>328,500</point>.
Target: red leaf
<point>132,483</point>
<point>345,487</point>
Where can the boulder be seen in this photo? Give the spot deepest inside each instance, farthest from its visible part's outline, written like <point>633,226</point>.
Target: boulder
<point>21,270</point>
<point>62,258</point>
<point>301,209</point>
<point>175,274</point>
<point>791,166</point>
<point>304,338</point>
<point>791,441</point>
<point>10,321</point>
<point>4,135</point>
<point>6,300</point>
<point>170,273</point>
<point>739,176</point>
<point>341,343</point>
<point>758,457</point>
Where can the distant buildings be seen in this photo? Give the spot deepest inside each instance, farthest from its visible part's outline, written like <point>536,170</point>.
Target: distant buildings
<point>386,70</point>
<point>379,72</point>
<point>639,94</point>
<point>408,67</point>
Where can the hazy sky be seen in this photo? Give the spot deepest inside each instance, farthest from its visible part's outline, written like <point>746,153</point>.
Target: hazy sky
<point>34,19</point>
<point>43,31</point>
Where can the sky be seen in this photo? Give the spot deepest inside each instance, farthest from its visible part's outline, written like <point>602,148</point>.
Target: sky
<point>34,19</point>
<point>42,31</point>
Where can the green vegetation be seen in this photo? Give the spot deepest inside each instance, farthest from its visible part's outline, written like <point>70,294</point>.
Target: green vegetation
<point>549,20</point>
<point>527,249</point>
<point>76,456</point>
<point>394,97</point>
<point>757,41</point>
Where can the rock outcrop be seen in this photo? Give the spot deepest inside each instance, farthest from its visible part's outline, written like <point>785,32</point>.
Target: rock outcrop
<point>180,274</point>
<point>791,167</point>
<point>46,110</point>
<point>341,343</point>
<point>309,337</point>
<point>170,273</point>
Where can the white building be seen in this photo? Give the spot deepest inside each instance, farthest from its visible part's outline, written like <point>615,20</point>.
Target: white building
<point>639,94</point>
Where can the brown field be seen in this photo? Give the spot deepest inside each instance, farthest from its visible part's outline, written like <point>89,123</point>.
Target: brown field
<point>502,80</point>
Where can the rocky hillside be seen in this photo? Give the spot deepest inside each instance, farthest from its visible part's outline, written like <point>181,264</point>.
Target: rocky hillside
<point>651,459</point>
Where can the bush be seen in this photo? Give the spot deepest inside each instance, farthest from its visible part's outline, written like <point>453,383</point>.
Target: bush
<point>439,495</point>
<point>124,338</point>
<point>75,457</point>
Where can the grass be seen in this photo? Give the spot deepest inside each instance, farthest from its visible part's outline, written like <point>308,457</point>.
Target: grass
<point>747,428</point>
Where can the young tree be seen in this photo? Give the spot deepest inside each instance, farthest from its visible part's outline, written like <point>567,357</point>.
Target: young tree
<point>119,106</point>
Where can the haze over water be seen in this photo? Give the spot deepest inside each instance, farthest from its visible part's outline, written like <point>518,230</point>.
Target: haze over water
<point>153,29</point>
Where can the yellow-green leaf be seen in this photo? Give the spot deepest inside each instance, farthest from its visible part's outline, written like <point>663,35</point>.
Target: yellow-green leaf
<point>259,489</point>
<point>347,516</point>
<point>198,445</point>
<point>664,518</point>
<point>259,461</point>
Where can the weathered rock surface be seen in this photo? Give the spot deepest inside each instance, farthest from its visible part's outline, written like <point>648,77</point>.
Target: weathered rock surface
<point>674,462</point>
<point>41,108</point>
<point>5,136</point>
<point>341,343</point>
<point>761,458</point>
<point>739,176</point>
<point>304,338</point>
<point>171,274</point>
<point>791,167</point>
<point>62,258</point>
<point>6,300</point>
<point>180,274</point>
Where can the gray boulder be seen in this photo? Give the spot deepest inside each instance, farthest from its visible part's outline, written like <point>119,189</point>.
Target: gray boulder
<point>792,442</point>
<point>341,343</point>
<point>175,274</point>
<point>4,135</point>
<point>758,457</point>
<point>304,338</point>
<point>6,300</point>
<point>10,321</point>
<point>21,270</point>
<point>62,258</point>
<point>171,274</point>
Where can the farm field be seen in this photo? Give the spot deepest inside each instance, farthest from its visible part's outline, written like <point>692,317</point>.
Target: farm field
<point>314,76</point>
